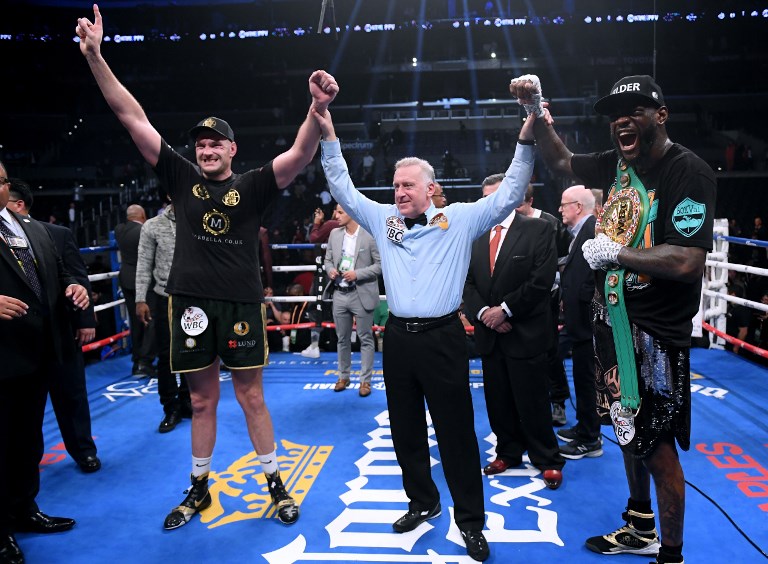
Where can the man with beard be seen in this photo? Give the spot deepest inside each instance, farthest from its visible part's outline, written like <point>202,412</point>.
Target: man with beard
<point>652,287</point>
<point>216,296</point>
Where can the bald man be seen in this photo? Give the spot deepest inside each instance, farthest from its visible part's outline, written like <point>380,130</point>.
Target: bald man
<point>578,283</point>
<point>142,337</point>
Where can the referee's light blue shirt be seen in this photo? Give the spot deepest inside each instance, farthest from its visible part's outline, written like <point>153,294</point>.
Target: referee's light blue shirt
<point>425,270</point>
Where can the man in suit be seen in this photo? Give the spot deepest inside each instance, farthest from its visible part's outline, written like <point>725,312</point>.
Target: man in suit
<point>578,281</point>
<point>69,395</point>
<point>559,392</point>
<point>127,235</point>
<point>507,292</point>
<point>353,265</point>
<point>35,335</point>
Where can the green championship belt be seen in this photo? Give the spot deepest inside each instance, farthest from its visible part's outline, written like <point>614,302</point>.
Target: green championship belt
<point>623,220</point>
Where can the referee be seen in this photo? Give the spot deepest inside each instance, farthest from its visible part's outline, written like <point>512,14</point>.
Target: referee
<point>425,254</point>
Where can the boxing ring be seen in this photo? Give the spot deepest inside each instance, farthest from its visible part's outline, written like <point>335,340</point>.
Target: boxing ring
<point>336,457</point>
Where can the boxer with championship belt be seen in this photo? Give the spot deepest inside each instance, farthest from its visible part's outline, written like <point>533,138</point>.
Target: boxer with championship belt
<point>623,220</point>
<point>659,304</point>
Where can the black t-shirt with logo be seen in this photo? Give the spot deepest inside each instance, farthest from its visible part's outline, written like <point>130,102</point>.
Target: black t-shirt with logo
<point>681,189</point>
<point>217,229</point>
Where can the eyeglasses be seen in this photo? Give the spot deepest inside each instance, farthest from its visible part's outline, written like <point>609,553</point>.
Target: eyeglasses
<point>13,201</point>
<point>563,204</point>
<point>440,196</point>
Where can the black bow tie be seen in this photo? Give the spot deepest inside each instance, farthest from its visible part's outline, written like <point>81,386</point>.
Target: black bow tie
<point>421,220</point>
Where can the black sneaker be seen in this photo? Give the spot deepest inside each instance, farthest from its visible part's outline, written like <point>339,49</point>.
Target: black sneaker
<point>638,536</point>
<point>414,518</point>
<point>477,546</point>
<point>558,415</point>
<point>287,510</point>
<point>198,498</point>
<point>577,449</point>
<point>567,435</point>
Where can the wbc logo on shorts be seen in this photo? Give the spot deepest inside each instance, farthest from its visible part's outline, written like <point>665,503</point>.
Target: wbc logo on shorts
<point>193,321</point>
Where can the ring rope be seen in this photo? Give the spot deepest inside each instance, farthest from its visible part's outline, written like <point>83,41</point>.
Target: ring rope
<point>107,341</point>
<point>746,269</point>
<point>103,276</point>
<point>736,342</point>
<point>102,307</point>
<point>734,300</point>
<point>716,260</point>
<point>741,240</point>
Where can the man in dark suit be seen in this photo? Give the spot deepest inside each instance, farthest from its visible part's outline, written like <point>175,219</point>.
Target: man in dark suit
<point>559,392</point>
<point>35,335</point>
<point>127,235</point>
<point>507,292</point>
<point>578,282</point>
<point>69,395</point>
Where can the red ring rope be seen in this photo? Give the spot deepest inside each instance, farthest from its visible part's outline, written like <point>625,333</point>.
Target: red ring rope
<point>736,342</point>
<point>109,340</point>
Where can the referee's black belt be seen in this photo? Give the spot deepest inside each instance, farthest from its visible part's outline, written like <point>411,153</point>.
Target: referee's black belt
<point>419,324</point>
<point>345,289</point>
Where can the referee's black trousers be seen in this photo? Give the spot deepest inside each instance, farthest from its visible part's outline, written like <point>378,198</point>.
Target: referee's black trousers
<point>434,364</point>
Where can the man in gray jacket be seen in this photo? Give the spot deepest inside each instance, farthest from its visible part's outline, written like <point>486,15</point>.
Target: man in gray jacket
<point>353,265</point>
<point>156,245</point>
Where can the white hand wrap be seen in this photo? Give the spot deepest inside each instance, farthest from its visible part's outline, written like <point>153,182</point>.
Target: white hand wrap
<point>535,107</point>
<point>601,251</point>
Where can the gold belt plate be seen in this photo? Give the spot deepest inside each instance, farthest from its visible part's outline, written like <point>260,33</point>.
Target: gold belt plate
<point>621,216</point>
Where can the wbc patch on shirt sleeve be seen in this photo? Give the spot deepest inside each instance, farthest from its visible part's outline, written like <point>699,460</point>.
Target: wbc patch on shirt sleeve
<point>441,220</point>
<point>688,217</point>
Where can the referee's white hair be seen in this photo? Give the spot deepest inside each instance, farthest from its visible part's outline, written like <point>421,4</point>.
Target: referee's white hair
<point>426,168</point>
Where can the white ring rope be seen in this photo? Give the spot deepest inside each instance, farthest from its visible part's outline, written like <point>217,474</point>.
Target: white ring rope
<point>734,300</point>
<point>715,297</point>
<point>714,293</point>
<point>102,307</point>
<point>295,268</point>
<point>103,276</point>
<point>746,269</point>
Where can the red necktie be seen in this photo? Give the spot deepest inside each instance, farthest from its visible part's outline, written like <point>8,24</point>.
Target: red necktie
<point>495,238</point>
